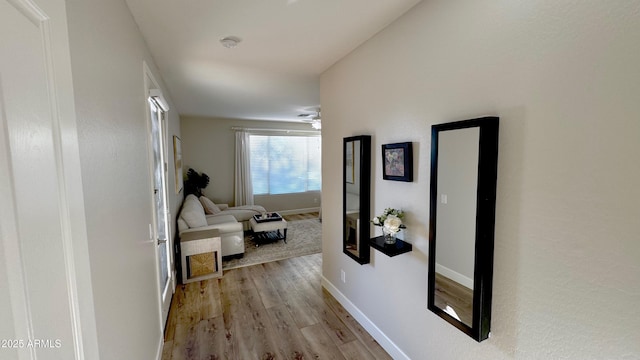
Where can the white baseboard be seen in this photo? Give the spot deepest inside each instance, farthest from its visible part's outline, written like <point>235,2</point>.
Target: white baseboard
<point>455,276</point>
<point>173,291</point>
<point>174,279</point>
<point>160,348</point>
<point>367,324</point>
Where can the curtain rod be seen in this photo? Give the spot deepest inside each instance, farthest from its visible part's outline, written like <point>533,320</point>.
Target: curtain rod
<point>278,130</point>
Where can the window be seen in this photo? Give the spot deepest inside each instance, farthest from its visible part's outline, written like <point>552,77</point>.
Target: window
<point>284,164</point>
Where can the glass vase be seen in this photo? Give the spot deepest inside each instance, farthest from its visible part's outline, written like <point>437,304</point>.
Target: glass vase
<point>389,236</point>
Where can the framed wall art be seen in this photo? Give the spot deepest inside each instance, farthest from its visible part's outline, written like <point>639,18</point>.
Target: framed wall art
<point>397,161</point>
<point>350,178</point>
<point>177,158</point>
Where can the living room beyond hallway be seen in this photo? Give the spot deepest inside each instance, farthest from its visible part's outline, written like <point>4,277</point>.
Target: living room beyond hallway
<point>304,237</point>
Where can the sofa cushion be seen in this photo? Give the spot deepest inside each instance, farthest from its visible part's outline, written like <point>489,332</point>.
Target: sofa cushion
<point>220,219</point>
<point>194,218</point>
<point>182,225</point>
<point>209,206</point>
<point>224,223</point>
<point>241,214</point>
<point>193,212</point>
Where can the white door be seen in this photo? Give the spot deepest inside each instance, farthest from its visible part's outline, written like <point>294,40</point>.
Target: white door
<point>157,109</point>
<point>45,287</point>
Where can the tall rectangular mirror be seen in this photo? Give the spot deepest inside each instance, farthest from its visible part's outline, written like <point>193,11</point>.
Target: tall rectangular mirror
<point>356,197</point>
<point>464,163</point>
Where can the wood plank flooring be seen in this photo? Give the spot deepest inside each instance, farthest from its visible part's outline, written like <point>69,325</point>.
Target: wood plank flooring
<point>454,298</point>
<point>275,310</point>
<point>305,216</point>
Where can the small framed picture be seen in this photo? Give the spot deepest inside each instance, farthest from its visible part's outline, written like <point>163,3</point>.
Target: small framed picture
<point>397,160</point>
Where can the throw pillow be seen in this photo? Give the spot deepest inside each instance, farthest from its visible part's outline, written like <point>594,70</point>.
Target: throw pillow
<point>208,205</point>
<point>193,217</point>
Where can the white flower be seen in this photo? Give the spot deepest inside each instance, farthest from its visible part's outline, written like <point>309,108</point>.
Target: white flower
<point>391,220</point>
<point>392,224</point>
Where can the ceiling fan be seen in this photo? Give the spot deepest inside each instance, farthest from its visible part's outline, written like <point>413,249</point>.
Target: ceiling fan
<point>313,118</point>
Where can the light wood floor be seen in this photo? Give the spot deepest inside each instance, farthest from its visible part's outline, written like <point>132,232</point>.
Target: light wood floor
<point>292,217</point>
<point>458,299</point>
<point>276,310</point>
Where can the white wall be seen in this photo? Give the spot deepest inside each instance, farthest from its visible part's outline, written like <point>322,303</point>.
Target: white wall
<point>7,330</point>
<point>208,145</point>
<point>458,156</point>
<point>42,223</point>
<point>107,54</point>
<point>563,78</point>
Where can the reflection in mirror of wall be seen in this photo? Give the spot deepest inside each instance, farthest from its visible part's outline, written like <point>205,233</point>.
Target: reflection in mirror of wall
<point>462,218</point>
<point>457,187</point>
<point>356,192</point>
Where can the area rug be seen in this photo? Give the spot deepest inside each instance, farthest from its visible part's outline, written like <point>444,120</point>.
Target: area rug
<point>304,237</point>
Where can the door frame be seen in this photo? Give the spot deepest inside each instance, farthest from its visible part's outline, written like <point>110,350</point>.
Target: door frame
<point>152,88</point>
<point>49,16</point>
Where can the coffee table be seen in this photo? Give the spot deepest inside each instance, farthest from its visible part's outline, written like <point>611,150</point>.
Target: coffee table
<point>268,231</point>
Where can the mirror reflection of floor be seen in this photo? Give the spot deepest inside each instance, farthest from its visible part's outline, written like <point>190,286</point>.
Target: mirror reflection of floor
<point>454,298</point>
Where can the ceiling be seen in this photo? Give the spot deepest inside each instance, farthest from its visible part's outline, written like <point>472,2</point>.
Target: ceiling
<point>274,72</point>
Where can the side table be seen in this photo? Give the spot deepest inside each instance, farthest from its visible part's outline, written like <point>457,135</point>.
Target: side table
<point>201,255</point>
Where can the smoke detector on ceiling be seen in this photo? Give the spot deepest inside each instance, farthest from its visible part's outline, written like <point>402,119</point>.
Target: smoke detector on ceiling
<point>230,41</point>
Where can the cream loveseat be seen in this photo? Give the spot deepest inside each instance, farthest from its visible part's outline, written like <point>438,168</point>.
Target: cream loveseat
<point>192,218</point>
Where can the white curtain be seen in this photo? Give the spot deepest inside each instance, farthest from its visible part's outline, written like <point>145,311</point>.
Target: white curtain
<point>243,188</point>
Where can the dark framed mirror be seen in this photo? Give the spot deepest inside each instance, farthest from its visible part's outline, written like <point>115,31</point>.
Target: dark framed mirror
<point>356,191</point>
<point>464,166</point>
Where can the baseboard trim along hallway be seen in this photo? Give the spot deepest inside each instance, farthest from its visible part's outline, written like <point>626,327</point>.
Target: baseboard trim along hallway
<point>366,323</point>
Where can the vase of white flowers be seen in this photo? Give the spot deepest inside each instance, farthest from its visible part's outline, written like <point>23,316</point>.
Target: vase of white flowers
<point>389,236</point>
<point>391,223</point>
